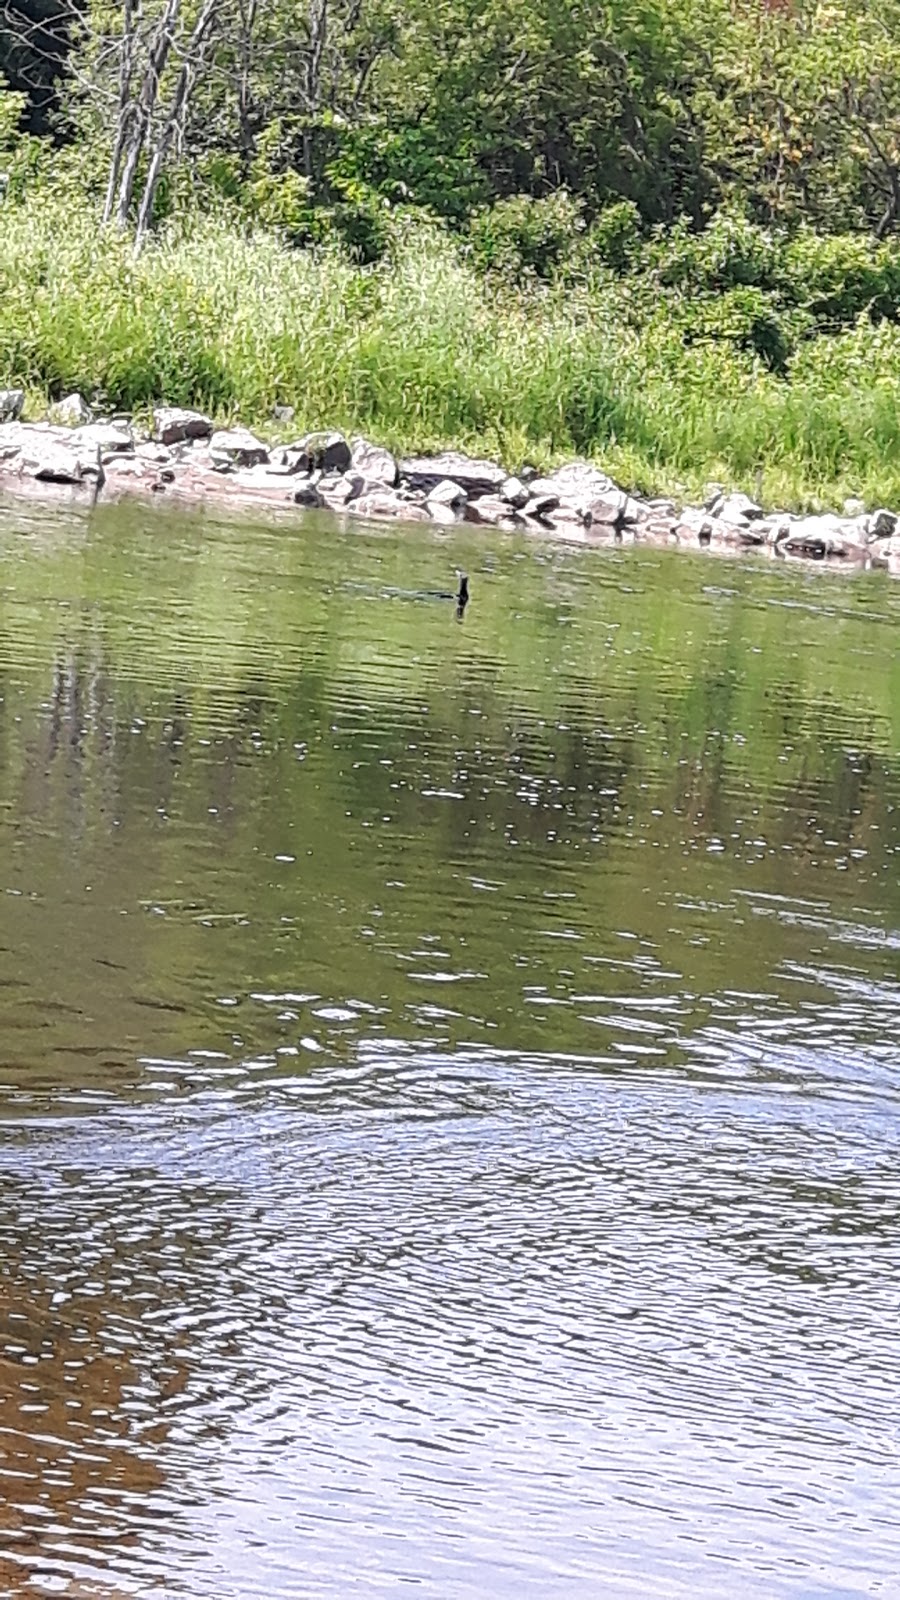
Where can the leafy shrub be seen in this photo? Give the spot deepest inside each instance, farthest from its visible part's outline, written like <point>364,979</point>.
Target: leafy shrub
<point>523,235</point>
<point>361,221</point>
<point>839,277</point>
<point>749,318</point>
<point>615,236</point>
<point>730,253</point>
<point>271,194</point>
<point>22,157</point>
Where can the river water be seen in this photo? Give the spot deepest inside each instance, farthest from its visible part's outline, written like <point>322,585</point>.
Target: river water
<point>449,1072</point>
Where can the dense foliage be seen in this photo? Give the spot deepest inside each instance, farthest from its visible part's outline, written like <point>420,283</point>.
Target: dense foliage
<point>661,231</point>
<point>789,107</point>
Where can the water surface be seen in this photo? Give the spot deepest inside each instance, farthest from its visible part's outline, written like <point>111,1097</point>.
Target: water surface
<point>449,1073</point>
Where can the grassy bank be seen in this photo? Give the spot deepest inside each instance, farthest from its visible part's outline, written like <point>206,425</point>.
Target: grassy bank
<point>424,350</point>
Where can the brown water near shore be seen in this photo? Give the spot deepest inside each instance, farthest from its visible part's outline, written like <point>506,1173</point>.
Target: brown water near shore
<point>449,1071</point>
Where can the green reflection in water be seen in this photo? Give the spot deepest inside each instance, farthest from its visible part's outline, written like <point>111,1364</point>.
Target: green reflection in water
<point>251,801</point>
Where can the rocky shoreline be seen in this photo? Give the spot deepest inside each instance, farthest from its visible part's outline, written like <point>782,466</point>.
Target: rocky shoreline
<point>184,456</point>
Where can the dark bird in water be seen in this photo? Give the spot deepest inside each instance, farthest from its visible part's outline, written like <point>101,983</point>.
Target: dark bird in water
<point>462,598</point>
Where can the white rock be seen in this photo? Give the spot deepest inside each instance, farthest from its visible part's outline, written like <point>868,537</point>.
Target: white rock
<point>750,533</point>
<point>565,516</point>
<point>445,516</point>
<point>475,477</point>
<point>736,508</point>
<point>238,447</point>
<point>173,424</point>
<point>328,451</point>
<point>823,536</point>
<point>516,493</point>
<point>384,505</point>
<point>285,463</point>
<point>608,509</point>
<point>11,403</point>
<point>881,524</point>
<point>694,526</point>
<point>579,484</point>
<point>658,528</point>
<point>51,462</point>
<point>375,464</point>
<point>72,412</point>
<point>338,491</point>
<point>447,493</point>
<point>109,438</point>
<point>151,452</point>
<point>491,510</point>
<point>541,504</point>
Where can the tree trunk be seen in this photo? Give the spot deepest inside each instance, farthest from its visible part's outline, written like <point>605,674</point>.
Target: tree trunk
<point>318,37</point>
<point>142,114</point>
<point>130,22</point>
<point>246,136</point>
<point>174,122</point>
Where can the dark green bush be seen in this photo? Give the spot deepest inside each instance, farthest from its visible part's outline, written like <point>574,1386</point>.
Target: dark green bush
<point>615,237</point>
<point>523,236</point>
<point>362,223</point>
<point>840,277</point>
<point>748,318</point>
<point>730,253</point>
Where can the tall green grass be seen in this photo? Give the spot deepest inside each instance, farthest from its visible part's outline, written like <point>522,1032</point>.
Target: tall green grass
<point>422,350</point>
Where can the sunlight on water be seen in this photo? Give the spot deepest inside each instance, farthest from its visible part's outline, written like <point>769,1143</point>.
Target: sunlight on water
<point>449,1071</point>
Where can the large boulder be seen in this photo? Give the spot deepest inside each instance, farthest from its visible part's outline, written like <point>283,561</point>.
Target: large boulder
<point>384,505</point>
<point>736,508</point>
<point>339,490</point>
<point>881,524</point>
<point>71,412</point>
<point>373,463</point>
<point>237,447</point>
<point>110,438</point>
<point>493,511</point>
<point>818,537</point>
<point>583,487</point>
<point>308,495</point>
<point>174,424</point>
<point>46,459</point>
<point>448,494</point>
<point>516,493</point>
<point>11,403</point>
<point>473,476</point>
<point>328,452</point>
